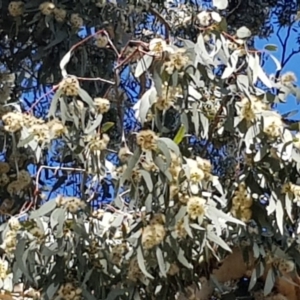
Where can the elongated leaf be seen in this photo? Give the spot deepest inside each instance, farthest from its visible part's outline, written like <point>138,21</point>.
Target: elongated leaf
<point>106,126</point>
<point>96,123</point>
<point>269,283</point>
<point>279,215</point>
<point>54,101</point>
<point>161,262</point>
<point>147,179</point>
<point>143,65</point>
<point>183,260</point>
<point>216,239</point>
<point>20,259</point>
<point>64,62</point>
<point>141,262</point>
<point>271,47</point>
<point>171,145</point>
<point>86,98</point>
<point>179,135</point>
<point>43,210</point>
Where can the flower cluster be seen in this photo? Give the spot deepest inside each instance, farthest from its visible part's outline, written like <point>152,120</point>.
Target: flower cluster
<point>16,8</point>
<point>76,21</point>
<point>21,183</point>
<point>153,234</point>
<point>157,46</point>
<point>196,207</point>
<point>101,41</point>
<point>273,125</point>
<point>72,204</point>
<point>288,78</point>
<point>177,61</point>
<point>3,269</point>
<point>102,105</point>
<point>98,143</point>
<point>69,291</point>
<point>47,8</point>
<point>146,139</point>
<point>59,14</point>
<point>242,203</point>
<point>206,18</point>
<point>70,86</point>
<point>10,237</point>
<point>168,97</point>
<point>251,107</point>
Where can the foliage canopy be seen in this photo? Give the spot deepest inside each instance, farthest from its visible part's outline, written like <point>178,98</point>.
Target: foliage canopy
<point>212,170</point>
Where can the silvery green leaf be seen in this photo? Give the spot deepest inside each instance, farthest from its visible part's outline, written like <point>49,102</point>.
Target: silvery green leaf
<point>161,262</point>
<point>64,62</point>
<point>143,65</point>
<point>269,282</point>
<point>231,66</point>
<point>141,263</point>
<point>243,32</point>
<point>279,216</point>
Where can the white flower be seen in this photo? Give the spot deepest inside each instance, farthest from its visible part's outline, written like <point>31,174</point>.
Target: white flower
<point>204,18</point>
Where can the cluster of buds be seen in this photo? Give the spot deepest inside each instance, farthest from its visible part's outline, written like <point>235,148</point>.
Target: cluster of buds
<point>13,121</point>
<point>117,253</point>
<point>4,169</point>
<point>273,125</point>
<point>16,8</point>
<point>10,237</point>
<point>3,269</point>
<point>147,139</point>
<point>242,203</point>
<point>76,21</point>
<point>168,97</point>
<point>22,182</point>
<point>47,8</point>
<point>180,230</point>
<point>70,86</point>
<point>153,234</point>
<point>98,143</point>
<point>69,291</point>
<point>102,105</point>
<point>101,41</point>
<point>134,273</point>
<point>196,207</point>
<point>72,204</point>
<point>176,61</point>
<point>59,14</point>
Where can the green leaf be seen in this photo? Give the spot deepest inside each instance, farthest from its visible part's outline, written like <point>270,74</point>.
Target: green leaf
<point>43,210</point>
<point>269,283</point>
<point>52,289</point>
<point>86,98</point>
<point>171,145</point>
<point>271,47</point>
<point>143,65</point>
<point>183,260</point>
<point>217,240</point>
<point>179,135</point>
<point>94,125</point>
<point>26,140</point>
<point>57,219</point>
<point>148,180</point>
<point>106,126</point>
<point>279,216</point>
<point>161,262</point>
<point>54,101</point>
<point>141,262</point>
<point>20,259</point>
